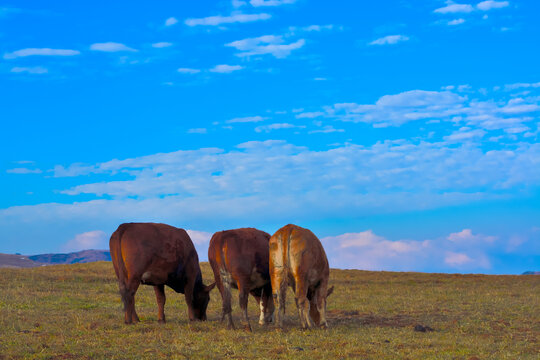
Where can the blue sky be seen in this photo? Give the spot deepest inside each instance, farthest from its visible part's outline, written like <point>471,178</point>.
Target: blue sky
<point>403,133</point>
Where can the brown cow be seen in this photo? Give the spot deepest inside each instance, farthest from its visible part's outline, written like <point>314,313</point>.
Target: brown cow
<point>239,259</point>
<point>158,255</point>
<point>297,258</point>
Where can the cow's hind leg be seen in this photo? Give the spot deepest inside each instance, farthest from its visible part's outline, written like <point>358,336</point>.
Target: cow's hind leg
<point>124,296</point>
<point>160,298</point>
<point>266,304</point>
<point>302,303</point>
<point>257,294</point>
<point>321,295</point>
<point>127,291</point>
<point>279,293</point>
<point>243,301</point>
<point>225,289</point>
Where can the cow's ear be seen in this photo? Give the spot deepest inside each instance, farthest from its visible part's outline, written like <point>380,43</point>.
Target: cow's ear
<point>330,291</point>
<point>209,287</point>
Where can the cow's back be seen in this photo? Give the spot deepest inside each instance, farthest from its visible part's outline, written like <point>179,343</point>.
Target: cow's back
<point>159,249</point>
<point>298,252</point>
<point>239,250</point>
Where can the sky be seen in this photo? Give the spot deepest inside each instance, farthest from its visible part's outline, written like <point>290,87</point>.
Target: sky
<point>404,134</point>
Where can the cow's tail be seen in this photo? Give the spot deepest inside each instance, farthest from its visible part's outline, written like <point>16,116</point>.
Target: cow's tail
<point>115,246</point>
<point>287,263</point>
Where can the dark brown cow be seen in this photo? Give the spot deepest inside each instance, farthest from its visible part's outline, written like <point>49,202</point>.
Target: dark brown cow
<point>239,259</point>
<point>297,258</point>
<point>158,255</point>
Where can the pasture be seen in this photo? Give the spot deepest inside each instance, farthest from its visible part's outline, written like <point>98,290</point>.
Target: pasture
<point>75,312</point>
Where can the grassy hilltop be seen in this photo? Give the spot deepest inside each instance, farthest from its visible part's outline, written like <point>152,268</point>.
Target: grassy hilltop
<point>74,312</point>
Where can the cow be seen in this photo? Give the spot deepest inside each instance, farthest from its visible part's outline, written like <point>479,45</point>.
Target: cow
<point>297,258</point>
<point>239,259</point>
<point>158,255</point>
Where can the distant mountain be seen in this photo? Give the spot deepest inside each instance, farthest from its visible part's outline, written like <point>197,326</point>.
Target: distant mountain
<point>17,261</point>
<point>84,256</point>
<point>531,273</point>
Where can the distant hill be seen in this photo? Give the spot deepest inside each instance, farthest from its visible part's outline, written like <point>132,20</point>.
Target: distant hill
<point>531,273</point>
<point>84,256</point>
<point>17,261</point>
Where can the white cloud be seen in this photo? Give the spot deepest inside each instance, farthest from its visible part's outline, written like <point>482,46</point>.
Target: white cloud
<point>368,251</point>
<point>466,236</point>
<point>238,3</point>
<point>247,119</point>
<point>416,105</point>
<point>197,131</point>
<point>452,7</point>
<point>357,239</point>
<point>516,130</point>
<point>171,21</point>
<point>326,129</point>
<point>225,69</point>
<point>515,86</point>
<point>257,3</point>
<point>199,237</point>
<point>111,47</point>
<point>96,239</point>
<point>267,44</point>
<point>457,259</point>
<point>234,18</point>
<point>277,126</point>
<point>311,28</point>
<point>23,171</point>
<point>317,27</point>
<point>389,40</point>
<point>394,110</point>
<point>30,70</point>
<point>490,4</point>
<point>461,135</point>
<point>40,52</point>
<point>188,71</point>
<point>518,106</point>
<point>456,22</point>
<point>443,170</point>
<point>310,115</point>
<point>160,45</point>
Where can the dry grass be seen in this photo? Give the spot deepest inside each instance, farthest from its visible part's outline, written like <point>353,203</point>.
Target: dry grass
<point>74,311</point>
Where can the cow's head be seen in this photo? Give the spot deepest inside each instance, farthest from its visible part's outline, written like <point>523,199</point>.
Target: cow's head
<point>200,301</point>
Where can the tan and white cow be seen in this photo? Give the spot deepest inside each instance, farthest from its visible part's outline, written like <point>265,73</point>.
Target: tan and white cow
<point>297,258</point>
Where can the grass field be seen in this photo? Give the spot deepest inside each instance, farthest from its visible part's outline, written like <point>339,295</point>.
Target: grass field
<point>74,311</point>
